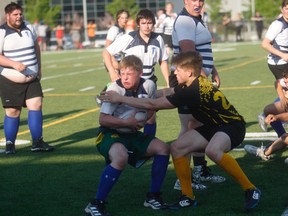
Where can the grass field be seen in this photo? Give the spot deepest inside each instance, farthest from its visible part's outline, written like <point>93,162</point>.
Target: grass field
<point>61,183</point>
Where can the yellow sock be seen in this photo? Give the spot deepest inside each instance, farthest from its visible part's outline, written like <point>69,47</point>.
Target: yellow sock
<point>183,172</point>
<point>231,166</point>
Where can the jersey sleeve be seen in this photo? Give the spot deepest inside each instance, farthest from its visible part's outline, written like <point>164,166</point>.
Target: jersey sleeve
<point>274,29</point>
<point>2,35</point>
<point>112,33</point>
<point>119,45</point>
<point>185,28</point>
<point>107,107</point>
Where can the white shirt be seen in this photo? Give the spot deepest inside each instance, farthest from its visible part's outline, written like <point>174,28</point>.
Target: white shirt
<point>150,53</point>
<point>278,34</point>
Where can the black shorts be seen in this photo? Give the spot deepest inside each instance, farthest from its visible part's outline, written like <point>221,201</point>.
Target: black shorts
<point>235,130</point>
<point>167,40</point>
<point>277,70</point>
<point>15,94</point>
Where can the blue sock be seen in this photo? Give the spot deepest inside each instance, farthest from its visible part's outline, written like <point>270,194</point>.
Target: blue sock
<point>278,127</point>
<point>108,178</point>
<point>35,120</point>
<point>158,172</point>
<point>150,129</point>
<point>11,126</point>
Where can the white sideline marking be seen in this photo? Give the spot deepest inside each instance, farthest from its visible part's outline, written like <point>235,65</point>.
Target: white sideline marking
<point>69,74</point>
<point>87,88</point>
<point>77,65</point>
<point>17,142</point>
<point>256,82</point>
<point>48,90</point>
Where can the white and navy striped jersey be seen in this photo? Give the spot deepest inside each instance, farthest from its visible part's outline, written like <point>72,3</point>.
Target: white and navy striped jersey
<point>150,53</point>
<point>113,33</point>
<point>168,24</point>
<point>187,27</point>
<point>146,89</point>
<point>19,46</point>
<point>278,34</point>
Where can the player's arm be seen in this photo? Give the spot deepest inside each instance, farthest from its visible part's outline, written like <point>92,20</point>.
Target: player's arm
<point>165,71</point>
<point>143,103</point>
<point>110,121</point>
<point>38,56</point>
<point>108,61</point>
<point>164,92</point>
<point>267,45</point>
<point>6,62</point>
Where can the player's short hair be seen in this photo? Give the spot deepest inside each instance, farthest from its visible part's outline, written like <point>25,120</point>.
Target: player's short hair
<point>119,12</point>
<point>145,14</point>
<point>284,3</point>
<point>133,62</point>
<point>11,7</point>
<point>188,60</point>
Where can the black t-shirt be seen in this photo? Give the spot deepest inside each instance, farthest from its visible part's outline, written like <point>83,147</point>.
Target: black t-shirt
<point>205,102</point>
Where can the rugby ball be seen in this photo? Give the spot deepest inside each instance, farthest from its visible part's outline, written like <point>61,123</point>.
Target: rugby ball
<point>140,116</point>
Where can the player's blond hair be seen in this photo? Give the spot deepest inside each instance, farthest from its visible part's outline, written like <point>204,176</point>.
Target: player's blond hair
<point>133,62</point>
<point>188,60</point>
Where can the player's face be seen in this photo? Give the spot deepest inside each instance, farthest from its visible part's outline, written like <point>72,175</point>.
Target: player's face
<point>130,78</point>
<point>182,75</point>
<point>284,12</point>
<point>15,19</point>
<point>194,7</point>
<point>145,26</point>
<point>122,20</point>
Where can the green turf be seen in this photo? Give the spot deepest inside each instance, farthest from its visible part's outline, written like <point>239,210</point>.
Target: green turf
<point>61,183</point>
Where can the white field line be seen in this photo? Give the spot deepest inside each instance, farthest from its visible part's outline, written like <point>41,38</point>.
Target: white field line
<point>87,88</point>
<point>69,74</point>
<point>48,90</point>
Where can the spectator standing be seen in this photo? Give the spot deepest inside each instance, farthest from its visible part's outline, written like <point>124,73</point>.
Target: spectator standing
<point>238,23</point>
<point>42,31</point>
<point>226,22</point>
<point>75,34</point>
<point>20,78</point>
<point>91,32</point>
<point>259,23</point>
<point>59,34</point>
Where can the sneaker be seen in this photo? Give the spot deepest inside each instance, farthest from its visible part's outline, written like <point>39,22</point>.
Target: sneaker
<point>251,149</point>
<point>40,145</point>
<point>285,213</point>
<point>154,201</point>
<point>96,208</point>
<point>262,123</point>
<point>202,173</point>
<point>260,152</point>
<point>197,186</point>
<point>10,147</point>
<point>286,161</point>
<point>252,198</point>
<point>186,201</point>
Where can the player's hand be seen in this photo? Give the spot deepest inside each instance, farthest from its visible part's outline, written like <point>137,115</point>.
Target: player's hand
<point>19,66</point>
<point>110,96</point>
<point>270,118</point>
